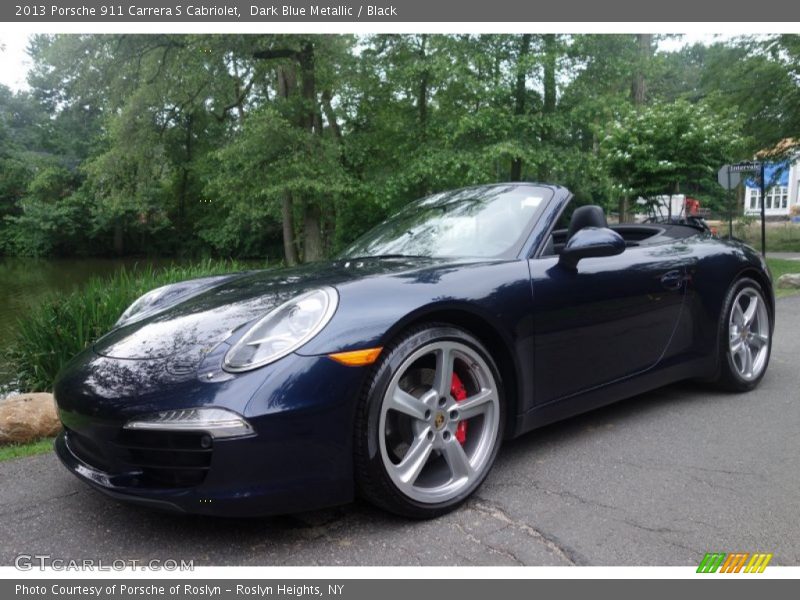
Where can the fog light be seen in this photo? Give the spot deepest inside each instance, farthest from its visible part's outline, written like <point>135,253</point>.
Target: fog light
<point>216,422</point>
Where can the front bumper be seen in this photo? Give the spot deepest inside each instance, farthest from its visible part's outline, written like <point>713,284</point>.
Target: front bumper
<point>298,458</point>
<point>242,499</point>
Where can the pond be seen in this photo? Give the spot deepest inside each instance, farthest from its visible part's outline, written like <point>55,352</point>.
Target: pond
<point>25,281</point>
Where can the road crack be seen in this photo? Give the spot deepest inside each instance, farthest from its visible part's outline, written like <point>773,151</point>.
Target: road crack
<point>658,530</point>
<point>483,544</point>
<point>498,513</point>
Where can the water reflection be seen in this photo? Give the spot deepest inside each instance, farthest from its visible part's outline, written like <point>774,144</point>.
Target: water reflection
<point>24,282</point>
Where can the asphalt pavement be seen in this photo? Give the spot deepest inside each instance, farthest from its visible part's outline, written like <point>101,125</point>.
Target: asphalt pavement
<point>659,479</point>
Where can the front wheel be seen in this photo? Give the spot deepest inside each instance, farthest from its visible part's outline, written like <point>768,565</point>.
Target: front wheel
<point>745,337</point>
<point>429,424</point>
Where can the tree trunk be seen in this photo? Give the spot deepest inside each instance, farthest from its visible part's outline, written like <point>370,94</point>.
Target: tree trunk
<point>644,41</point>
<point>549,105</point>
<point>329,218</point>
<point>184,186</point>
<point>308,117</point>
<point>519,97</point>
<point>287,81</point>
<point>422,91</point>
<point>330,115</point>
<point>313,246</point>
<point>639,85</point>
<point>308,86</point>
<point>622,208</point>
<point>287,221</point>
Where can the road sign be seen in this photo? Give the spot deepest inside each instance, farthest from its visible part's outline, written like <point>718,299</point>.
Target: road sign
<point>728,179</point>
<point>746,165</point>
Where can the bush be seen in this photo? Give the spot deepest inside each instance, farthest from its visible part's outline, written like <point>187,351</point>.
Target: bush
<point>63,324</point>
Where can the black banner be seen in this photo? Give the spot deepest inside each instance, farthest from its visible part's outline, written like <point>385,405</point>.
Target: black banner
<point>242,11</point>
<point>394,589</point>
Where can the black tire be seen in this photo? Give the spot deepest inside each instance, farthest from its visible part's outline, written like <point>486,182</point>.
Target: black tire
<point>729,376</point>
<point>374,482</point>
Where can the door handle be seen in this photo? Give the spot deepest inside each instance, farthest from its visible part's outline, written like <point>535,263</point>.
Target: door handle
<point>672,280</point>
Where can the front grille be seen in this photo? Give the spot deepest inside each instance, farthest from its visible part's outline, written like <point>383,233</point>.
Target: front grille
<point>159,459</point>
<point>90,452</point>
<point>167,458</point>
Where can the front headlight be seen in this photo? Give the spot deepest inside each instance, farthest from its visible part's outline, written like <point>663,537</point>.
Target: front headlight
<point>283,330</point>
<point>218,422</point>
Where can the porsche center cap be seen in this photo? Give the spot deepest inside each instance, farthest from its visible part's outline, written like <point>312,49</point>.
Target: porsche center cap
<point>438,420</point>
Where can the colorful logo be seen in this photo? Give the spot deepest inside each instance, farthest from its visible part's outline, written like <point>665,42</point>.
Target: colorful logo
<point>736,562</point>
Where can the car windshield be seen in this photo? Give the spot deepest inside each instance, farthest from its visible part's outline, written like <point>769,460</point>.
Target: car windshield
<point>485,221</point>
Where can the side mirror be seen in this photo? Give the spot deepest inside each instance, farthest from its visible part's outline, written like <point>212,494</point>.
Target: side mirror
<point>590,242</point>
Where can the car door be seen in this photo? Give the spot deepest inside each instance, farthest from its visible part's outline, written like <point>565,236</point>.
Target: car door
<point>611,318</point>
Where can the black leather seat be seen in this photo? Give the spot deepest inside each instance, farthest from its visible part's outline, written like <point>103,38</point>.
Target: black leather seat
<point>586,216</point>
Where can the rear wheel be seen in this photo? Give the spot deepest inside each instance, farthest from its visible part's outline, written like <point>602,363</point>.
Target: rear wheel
<point>745,337</point>
<point>429,425</point>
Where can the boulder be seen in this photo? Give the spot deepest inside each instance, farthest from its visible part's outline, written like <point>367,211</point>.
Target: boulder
<point>28,417</point>
<point>789,280</point>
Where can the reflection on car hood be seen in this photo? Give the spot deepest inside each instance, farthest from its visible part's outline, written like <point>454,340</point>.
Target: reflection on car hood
<point>195,326</point>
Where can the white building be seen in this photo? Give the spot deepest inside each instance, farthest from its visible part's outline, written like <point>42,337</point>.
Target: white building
<point>784,193</point>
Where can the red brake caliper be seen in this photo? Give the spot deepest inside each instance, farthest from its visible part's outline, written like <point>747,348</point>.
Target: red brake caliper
<point>459,393</point>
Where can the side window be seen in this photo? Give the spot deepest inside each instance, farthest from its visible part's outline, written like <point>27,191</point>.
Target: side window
<point>563,220</point>
<point>557,238</point>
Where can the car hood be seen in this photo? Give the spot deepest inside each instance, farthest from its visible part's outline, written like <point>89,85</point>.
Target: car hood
<point>193,327</point>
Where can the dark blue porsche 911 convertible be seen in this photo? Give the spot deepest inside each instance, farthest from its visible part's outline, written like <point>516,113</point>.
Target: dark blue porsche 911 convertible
<point>397,370</point>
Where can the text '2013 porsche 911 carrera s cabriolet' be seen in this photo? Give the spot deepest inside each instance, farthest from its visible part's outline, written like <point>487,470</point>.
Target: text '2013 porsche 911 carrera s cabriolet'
<point>396,370</point>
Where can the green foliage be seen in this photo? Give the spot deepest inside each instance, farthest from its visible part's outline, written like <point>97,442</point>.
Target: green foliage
<point>287,159</point>
<point>753,79</point>
<point>224,145</point>
<point>669,148</point>
<point>50,216</point>
<point>43,446</point>
<point>63,324</point>
<point>780,266</point>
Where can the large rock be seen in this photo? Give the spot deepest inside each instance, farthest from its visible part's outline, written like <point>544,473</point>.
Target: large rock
<point>28,417</point>
<point>789,280</point>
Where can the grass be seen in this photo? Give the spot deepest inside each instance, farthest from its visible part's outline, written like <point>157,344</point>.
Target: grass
<point>42,446</point>
<point>781,237</point>
<point>779,266</point>
<point>64,324</point>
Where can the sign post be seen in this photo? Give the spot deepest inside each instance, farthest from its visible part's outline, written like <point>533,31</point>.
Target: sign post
<point>729,180</point>
<point>763,212</point>
<point>730,205</point>
<point>755,167</point>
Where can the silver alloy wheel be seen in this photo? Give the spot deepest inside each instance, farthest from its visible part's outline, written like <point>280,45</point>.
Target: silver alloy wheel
<point>749,331</point>
<point>417,427</point>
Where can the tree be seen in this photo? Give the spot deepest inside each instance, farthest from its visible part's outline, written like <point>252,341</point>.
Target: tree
<point>302,106</point>
<point>667,148</point>
<point>37,176</point>
<point>290,146</point>
<point>753,79</point>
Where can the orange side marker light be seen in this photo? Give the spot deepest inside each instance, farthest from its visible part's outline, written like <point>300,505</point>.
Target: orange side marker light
<point>357,358</point>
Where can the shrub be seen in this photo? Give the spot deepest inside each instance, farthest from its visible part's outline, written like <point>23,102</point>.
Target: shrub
<point>63,324</point>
